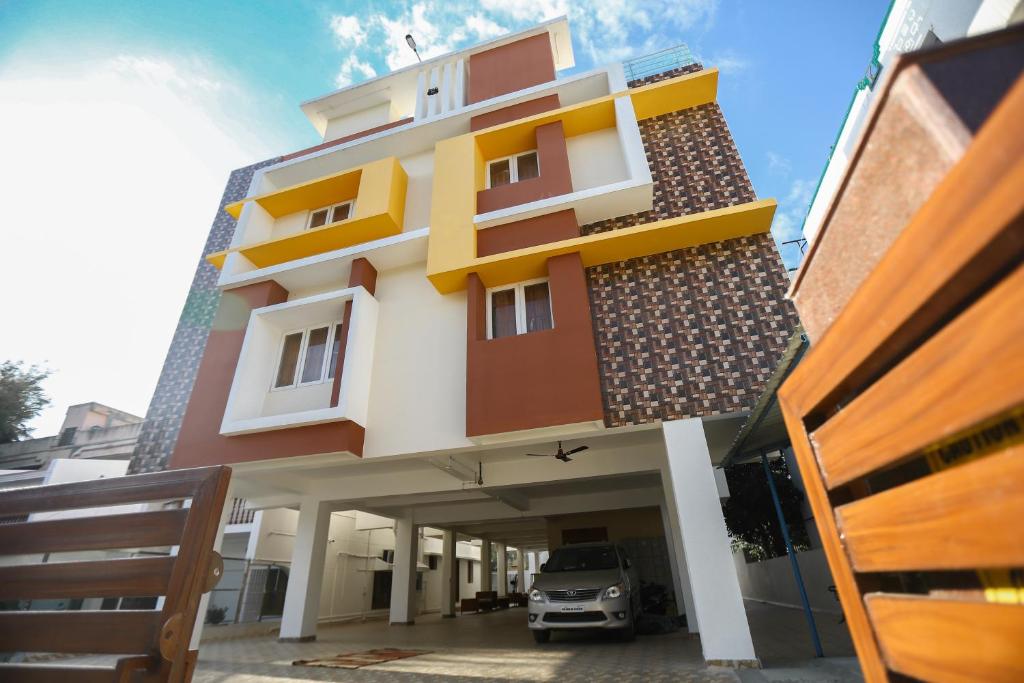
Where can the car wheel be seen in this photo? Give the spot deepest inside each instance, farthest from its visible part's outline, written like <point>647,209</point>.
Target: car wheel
<point>541,636</point>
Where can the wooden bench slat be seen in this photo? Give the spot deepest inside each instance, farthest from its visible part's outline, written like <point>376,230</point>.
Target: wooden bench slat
<point>49,673</point>
<point>968,372</point>
<point>80,632</point>
<point>132,530</point>
<point>963,518</point>
<point>125,578</point>
<point>142,669</point>
<point>135,488</point>
<point>949,640</point>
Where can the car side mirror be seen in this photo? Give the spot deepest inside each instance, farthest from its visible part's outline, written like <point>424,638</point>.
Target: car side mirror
<point>542,565</point>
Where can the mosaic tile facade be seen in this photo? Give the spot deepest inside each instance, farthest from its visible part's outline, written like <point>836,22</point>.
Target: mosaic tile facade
<point>698,331</point>
<point>167,407</point>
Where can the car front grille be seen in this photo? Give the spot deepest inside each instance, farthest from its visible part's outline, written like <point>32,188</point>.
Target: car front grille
<point>578,595</point>
<point>573,617</point>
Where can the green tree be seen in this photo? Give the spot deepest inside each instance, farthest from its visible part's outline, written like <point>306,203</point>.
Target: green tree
<point>750,513</point>
<point>21,398</point>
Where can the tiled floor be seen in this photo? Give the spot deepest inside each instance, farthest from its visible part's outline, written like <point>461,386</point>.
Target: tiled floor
<point>498,646</point>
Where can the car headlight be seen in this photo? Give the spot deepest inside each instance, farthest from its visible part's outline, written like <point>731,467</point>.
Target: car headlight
<point>615,591</point>
<point>536,595</point>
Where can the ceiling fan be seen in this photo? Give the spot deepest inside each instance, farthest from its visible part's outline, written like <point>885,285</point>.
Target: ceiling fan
<point>560,455</point>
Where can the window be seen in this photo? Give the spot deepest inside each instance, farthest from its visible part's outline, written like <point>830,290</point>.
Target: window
<point>330,214</point>
<point>305,358</point>
<point>519,309</point>
<point>513,169</point>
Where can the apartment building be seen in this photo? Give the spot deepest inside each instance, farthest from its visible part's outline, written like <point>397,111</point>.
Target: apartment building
<point>487,264</point>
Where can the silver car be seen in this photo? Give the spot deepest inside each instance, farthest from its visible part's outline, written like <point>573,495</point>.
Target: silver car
<point>588,585</point>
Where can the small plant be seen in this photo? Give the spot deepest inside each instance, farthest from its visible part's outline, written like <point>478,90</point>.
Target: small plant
<point>215,615</point>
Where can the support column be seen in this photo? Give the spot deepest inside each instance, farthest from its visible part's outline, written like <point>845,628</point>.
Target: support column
<point>502,586</point>
<point>521,583</point>
<point>485,566</point>
<point>403,574</point>
<point>449,585</point>
<point>306,575</point>
<point>680,576</point>
<point>689,483</point>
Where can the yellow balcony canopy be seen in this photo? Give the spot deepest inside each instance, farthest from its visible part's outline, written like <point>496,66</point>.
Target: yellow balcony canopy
<point>451,251</point>
<point>378,189</point>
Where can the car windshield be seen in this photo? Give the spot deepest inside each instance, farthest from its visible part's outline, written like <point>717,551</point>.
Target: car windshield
<point>582,559</point>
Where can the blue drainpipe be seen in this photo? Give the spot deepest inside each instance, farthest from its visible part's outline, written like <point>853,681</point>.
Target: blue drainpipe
<point>792,557</point>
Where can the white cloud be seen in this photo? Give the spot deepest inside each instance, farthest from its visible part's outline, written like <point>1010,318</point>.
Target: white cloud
<point>348,69</point>
<point>112,171</point>
<point>728,62</point>
<point>484,28</point>
<point>604,30</point>
<point>778,164</point>
<point>348,30</point>
<point>789,217</point>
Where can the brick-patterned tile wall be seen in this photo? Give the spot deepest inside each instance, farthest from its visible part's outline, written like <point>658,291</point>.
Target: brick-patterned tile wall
<point>167,408</point>
<point>698,331</point>
<point>694,164</point>
<point>689,333</point>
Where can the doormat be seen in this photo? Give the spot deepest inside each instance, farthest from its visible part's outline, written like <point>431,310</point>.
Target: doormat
<point>356,660</point>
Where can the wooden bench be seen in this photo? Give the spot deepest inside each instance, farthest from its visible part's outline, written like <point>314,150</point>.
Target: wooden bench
<point>469,605</point>
<point>151,644</point>
<point>487,600</point>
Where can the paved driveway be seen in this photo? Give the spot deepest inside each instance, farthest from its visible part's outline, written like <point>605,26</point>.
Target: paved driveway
<point>497,646</point>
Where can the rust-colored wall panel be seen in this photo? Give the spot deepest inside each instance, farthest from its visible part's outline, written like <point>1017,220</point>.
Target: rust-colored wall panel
<point>511,67</point>
<point>554,179</point>
<point>545,229</point>
<point>200,442</point>
<point>347,138</point>
<point>515,112</point>
<point>363,274</point>
<point>539,379</point>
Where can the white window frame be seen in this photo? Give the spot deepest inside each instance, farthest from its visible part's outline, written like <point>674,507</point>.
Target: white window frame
<point>303,346</point>
<point>520,288</point>
<point>513,166</point>
<point>330,211</point>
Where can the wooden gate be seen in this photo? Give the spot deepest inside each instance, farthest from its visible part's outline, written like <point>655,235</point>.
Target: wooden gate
<point>906,419</point>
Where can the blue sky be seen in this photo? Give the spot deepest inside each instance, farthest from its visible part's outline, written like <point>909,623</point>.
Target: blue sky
<point>135,112</point>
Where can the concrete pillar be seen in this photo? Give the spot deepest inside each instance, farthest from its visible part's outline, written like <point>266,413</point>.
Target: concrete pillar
<point>449,585</point>
<point>485,566</point>
<point>680,577</point>
<point>521,583</point>
<point>502,586</point>
<point>403,574</point>
<point>306,575</point>
<point>689,483</point>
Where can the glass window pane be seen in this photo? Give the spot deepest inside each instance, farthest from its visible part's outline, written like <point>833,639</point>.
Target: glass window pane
<point>289,360</point>
<point>332,364</point>
<point>503,313</point>
<point>527,166</point>
<point>501,173</point>
<point>318,218</point>
<point>538,307</point>
<point>340,213</point>
<point>313,366</point>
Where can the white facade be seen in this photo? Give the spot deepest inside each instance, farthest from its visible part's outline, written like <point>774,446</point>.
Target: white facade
<point>910,25</point>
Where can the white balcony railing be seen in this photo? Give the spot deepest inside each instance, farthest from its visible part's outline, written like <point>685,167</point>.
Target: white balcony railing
<point>440,89</point>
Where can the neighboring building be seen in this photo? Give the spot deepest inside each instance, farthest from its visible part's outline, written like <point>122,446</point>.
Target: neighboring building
<point>908,25</point>
<point>90,431</point>
<point>483,260</point>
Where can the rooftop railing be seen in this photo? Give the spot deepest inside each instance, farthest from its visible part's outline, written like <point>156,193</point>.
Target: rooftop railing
<point>658,62</point>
